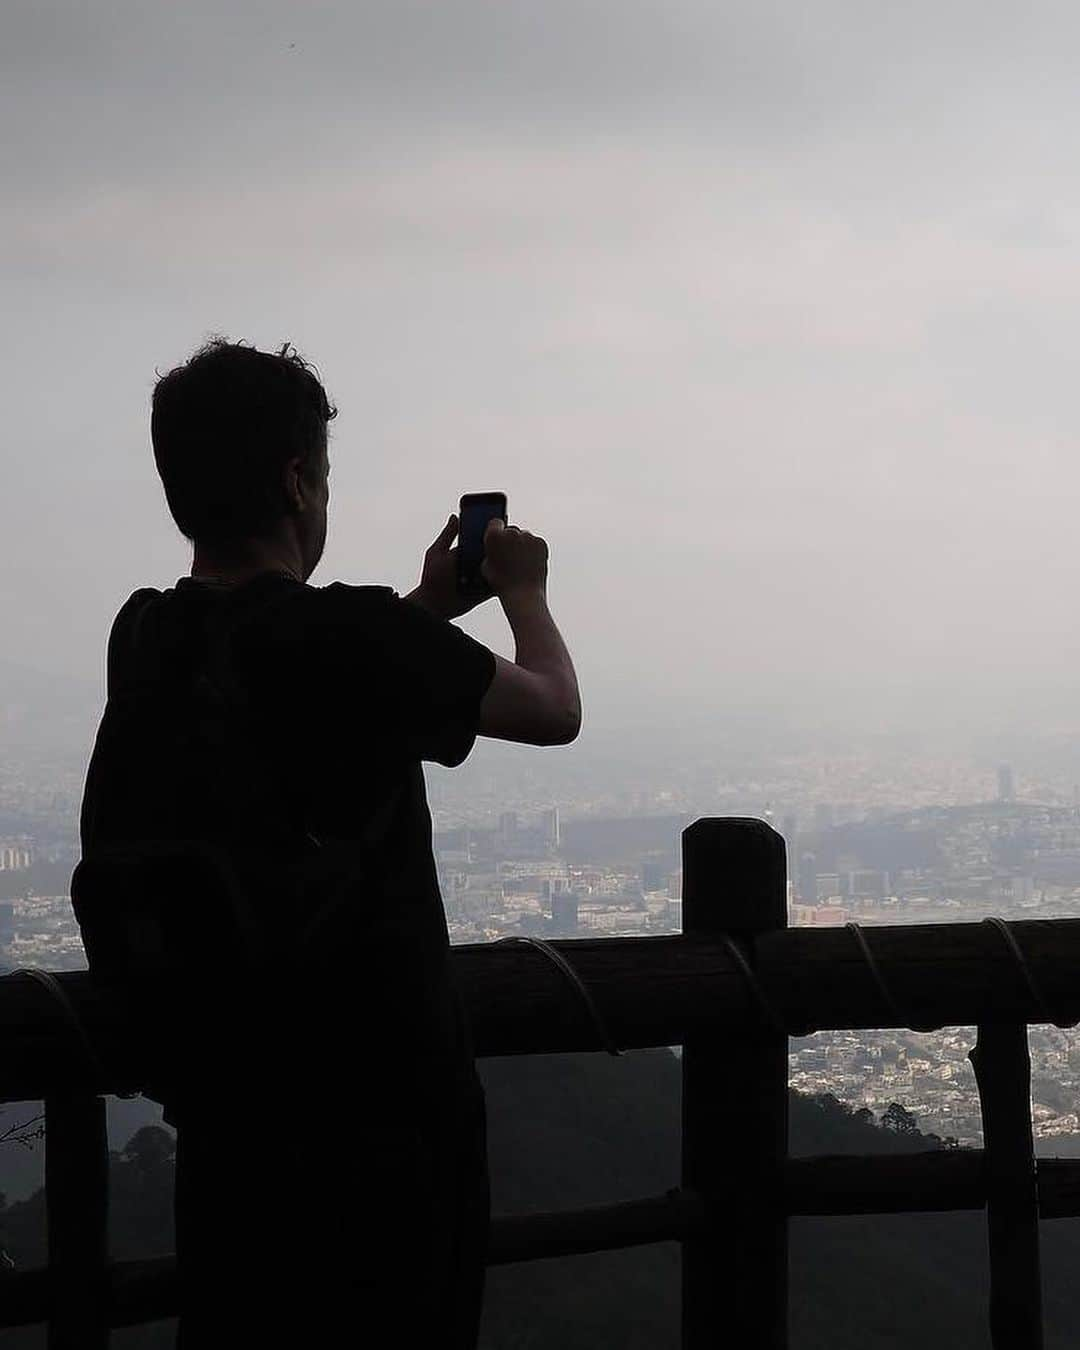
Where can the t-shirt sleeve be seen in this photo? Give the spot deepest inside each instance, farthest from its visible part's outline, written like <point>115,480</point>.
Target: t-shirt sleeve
<point>430,674</point>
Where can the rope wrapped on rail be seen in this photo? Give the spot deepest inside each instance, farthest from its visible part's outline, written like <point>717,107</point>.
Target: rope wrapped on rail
<point>576,983</point>
<point>69,1015</point>
<point>1034,988</point>
<point>894,1009</point>
<point>892,1004</point>
<point>767,1008</point>
<point>1012,946</point>
<point>765,1004</point>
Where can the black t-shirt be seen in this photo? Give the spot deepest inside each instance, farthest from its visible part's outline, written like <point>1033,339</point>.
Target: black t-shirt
<point>333,696</point>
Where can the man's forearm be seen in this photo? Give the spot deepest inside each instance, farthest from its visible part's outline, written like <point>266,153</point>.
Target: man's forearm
<point>539,646</point>
<point>419,597</point>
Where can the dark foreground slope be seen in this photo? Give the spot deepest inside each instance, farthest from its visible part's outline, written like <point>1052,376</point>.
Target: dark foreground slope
<point>580,1130</point>
<point>575,1130</point>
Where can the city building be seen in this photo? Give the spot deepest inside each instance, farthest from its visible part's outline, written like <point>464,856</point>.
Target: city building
<point>1006,787</point>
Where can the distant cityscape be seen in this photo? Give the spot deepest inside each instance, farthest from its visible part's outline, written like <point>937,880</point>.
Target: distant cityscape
<point>900,846</point>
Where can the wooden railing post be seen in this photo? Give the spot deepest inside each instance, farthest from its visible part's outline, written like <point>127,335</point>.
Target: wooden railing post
<point>76,1203</point>
<point>1002,1064</point>
<point>735,1105</point>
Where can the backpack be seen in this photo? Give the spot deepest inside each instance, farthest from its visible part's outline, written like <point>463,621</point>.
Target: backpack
<point>177,928</point>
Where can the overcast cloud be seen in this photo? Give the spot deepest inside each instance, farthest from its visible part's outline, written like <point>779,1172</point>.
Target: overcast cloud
<point>764,314</point>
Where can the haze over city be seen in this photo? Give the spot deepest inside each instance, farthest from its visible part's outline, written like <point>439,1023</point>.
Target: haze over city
<point>764,316</point>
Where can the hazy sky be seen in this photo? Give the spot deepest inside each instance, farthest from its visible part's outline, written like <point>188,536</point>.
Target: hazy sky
<point>765,315</point>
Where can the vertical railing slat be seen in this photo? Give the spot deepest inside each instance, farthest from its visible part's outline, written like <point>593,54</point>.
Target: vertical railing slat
<point>735,1107</point>
<point>1002,1064</point>
<point>76,1202</point>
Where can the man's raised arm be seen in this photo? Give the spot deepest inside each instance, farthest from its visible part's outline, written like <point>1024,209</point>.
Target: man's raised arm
<point>533,699</point>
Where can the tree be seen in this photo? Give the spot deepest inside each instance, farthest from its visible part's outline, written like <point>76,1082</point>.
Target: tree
<point>24,1132</point>
<point>899,1119</point>
<point>149,1148</point>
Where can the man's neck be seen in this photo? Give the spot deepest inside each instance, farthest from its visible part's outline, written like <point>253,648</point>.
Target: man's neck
<point>248,559</point>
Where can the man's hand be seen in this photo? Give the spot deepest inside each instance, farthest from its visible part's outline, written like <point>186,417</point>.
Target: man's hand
<point>515,561</point>
<point>438,590</point>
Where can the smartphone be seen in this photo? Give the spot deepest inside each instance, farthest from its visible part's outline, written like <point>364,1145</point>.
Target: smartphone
<point>474,512</point>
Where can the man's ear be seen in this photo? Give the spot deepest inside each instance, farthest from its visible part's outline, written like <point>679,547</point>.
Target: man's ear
<point>293,485</point>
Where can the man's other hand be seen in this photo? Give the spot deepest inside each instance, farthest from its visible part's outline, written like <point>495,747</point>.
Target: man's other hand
<point>515,561</point>
<point>438,590</point>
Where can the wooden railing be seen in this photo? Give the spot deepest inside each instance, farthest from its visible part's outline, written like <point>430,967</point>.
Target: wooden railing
<point>730,990</point>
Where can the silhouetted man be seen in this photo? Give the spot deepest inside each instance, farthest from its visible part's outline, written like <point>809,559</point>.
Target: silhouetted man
<point>331,1165</point>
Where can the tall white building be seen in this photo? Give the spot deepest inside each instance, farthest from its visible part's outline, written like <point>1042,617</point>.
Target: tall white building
<point>13,857</point>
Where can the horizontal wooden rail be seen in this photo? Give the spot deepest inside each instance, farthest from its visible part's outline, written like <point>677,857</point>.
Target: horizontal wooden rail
<point>654,991</point>
<point>821,1187</point>
<point>650,992</point>
<point>600,1228</point>
<point>943,1180</point>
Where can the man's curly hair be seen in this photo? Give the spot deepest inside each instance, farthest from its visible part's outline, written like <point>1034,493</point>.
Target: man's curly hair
<point>224,425</point>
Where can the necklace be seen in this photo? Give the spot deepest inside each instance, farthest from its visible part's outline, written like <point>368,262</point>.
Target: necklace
<point>232,581</point>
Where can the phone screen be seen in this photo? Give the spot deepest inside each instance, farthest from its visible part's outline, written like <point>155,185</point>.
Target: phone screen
<point>475,511</point>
